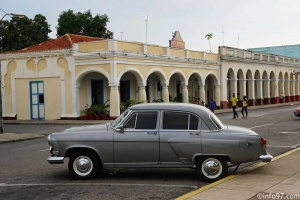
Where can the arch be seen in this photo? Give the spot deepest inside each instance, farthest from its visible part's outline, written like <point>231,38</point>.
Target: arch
<point>135,72</point>
<point>156,87</point>
<point>180,75</point>
<point>211,82</point>
<point>197,74</point>
<point>159,72</point>
<point>84,72</point>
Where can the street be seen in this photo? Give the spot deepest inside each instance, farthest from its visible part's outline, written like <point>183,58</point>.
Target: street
<point>26,174</point>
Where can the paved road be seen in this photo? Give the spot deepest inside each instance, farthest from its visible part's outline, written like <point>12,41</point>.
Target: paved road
<point>25,173</point>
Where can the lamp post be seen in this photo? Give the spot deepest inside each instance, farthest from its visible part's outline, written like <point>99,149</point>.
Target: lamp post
<point>1,112</point>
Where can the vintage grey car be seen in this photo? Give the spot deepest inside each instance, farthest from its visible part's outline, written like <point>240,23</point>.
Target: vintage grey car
<point>155,135</point>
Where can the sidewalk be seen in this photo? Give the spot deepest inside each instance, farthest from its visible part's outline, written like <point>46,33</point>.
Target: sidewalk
<point>279,179</point>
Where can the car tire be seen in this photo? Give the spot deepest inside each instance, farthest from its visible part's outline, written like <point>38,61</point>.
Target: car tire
<point>211,169</point>
<point>83,165</point>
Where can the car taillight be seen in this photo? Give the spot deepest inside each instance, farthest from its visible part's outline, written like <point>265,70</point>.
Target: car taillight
<point>263,142</point>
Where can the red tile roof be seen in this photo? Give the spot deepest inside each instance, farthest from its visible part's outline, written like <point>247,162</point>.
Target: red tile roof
<point>64,42</point>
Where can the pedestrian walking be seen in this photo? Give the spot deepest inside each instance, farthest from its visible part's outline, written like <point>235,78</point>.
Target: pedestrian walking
<point>245,105</point>
<point>234,102</point>
<point>212,105</point>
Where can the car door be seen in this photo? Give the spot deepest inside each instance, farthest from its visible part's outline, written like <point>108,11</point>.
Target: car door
<point>137,144</point>
<point>179,137</point>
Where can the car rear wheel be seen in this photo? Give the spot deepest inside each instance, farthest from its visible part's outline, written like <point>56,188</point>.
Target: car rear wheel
<point>210,169</point>
<point>83,165</point>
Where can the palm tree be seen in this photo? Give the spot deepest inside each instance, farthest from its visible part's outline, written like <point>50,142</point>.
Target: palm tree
<point>209,36</point>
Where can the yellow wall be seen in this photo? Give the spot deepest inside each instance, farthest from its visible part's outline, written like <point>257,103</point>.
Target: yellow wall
<point>12,66</point>
<point>156,50</point>
<point>210,56</point>
<point>78,69</point>
<point>42,64</point>
<point>93,46</point>
<point>127,46</point>
<point>177,52</point>
<point>196,54</point>
<point>61,62</point>
<point>52,92</point>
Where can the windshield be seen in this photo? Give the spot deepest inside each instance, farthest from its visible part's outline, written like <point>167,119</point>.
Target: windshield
<point>216,121</point>
<point>119,119</point>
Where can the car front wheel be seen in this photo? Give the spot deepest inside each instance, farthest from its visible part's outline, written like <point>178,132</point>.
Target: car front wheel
<point>210,169</point>
<point>83,165</point>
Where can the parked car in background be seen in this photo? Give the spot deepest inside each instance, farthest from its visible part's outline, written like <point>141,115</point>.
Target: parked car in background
<point>297,112</point>
<point>173,135</point>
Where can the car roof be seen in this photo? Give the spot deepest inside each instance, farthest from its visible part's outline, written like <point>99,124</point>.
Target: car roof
<point>201,110</point>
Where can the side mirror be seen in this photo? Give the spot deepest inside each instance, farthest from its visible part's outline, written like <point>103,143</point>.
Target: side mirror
<point>120,128</point>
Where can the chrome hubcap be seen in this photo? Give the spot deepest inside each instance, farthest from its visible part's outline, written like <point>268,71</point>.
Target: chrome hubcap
<point>83,165</point>
<point>211,168</point>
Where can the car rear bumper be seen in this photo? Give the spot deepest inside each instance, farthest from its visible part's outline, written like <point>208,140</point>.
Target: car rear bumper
<point>265,158</point>
<point>55,160</point>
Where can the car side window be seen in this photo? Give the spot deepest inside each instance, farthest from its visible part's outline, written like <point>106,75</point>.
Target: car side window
<point>131,122</point>
<point>175,120</point>
<point>193,122</point>
<point>142,120</point>
<point>180,121</point>
<point>146,120</point>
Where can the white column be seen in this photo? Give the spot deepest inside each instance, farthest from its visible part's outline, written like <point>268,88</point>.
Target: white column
<point>258,94</point>
<point>217,95</point>
<point>287,87</point>
<point>297,87</point>
<point>114,101</point>
<point>242,88</point>
<point>251,88</point>
<point>201,92</point>
<point>77,100</point>
<point>292,84</point>
<point>185,93</point>
<point>142,94</point>
<point>233,87</point>
<point>165,93</point>
<point>266,86</point>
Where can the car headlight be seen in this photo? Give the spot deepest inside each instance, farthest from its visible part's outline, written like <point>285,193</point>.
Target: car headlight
<point>49,136</point>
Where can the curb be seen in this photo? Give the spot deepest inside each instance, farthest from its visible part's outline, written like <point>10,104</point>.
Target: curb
<point>10,137</point>
<point>245,170</point>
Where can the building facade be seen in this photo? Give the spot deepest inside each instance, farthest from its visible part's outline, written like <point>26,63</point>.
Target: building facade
<point>58,79</point>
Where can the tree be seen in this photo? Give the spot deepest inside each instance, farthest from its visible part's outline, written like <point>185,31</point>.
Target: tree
<point>19,33</point>
<point>208,36</point>
<point>83,24</point>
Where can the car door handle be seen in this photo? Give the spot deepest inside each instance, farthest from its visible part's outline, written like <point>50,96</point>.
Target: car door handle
<point>195,133</point>
<point>153,133</point>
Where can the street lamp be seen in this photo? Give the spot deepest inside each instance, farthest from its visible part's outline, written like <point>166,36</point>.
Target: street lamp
<point>1,114</point>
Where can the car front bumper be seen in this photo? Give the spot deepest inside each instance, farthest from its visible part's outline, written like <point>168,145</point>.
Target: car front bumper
<point>55,160</point>
<point>266,158</point>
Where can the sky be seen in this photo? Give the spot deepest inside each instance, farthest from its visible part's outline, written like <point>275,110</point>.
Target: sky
<point>233,23</point>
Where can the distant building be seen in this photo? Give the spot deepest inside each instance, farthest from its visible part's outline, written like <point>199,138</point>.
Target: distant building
<point>177,41</point>
<point>287,50</point>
